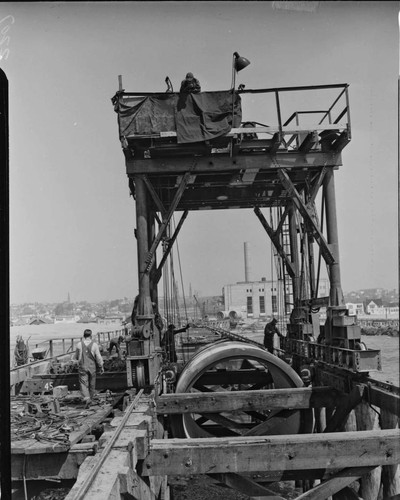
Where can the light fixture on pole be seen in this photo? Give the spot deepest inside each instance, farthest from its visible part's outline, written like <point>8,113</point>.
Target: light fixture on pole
<point>238,63</point>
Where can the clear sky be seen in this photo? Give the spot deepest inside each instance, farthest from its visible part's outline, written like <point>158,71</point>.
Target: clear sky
<point>71,217</point>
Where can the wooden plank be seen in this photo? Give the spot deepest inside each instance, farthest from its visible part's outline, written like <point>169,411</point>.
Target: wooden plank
<point>383,399</point>
<point>33,446</point>
<point>90,422</point>
<point>345,404</point>
<point>246,485</point>
<point>367,420</point>
<point>19,447</point>
<point>43,447</point>
<point>271,399</point>
<point>156,484</point>
<point>117,478</point>
<point>130,483</point>
<point>129,437</point>
<point>246,454</point>
<point>135,420</point>
<point>338,482</point>
<point>49,466</point>
<point>390,473</point>
<point>106,484</point>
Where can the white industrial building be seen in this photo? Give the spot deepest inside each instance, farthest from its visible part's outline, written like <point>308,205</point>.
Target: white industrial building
<point>259,299</point>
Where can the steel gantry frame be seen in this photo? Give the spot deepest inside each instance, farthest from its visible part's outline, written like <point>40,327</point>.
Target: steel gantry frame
<point>285,166</point>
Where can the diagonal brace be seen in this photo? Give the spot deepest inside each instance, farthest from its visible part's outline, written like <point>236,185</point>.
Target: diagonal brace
<point>336,483</point>
<point>170,245</point>
<point>275,240</point>
<point>307,216</point>
<point>166,219</point>
<point>154,195</point>
<point>344,405</point>
<point>317,185</point>
<point>246,485</point>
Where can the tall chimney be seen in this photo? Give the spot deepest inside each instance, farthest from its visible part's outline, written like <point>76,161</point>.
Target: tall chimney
<point>247,270</point>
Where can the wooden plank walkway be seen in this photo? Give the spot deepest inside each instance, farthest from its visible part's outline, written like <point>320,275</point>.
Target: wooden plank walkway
<point>121,449</point>
<point>51,447</point>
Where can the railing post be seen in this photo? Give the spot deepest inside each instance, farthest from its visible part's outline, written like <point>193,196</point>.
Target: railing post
<point>278,110</point>
<point>51,348</point>
<point>348,114</point>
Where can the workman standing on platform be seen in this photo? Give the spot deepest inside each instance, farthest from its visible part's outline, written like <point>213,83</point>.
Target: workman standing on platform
<point>89,358</point>
<point>168,342</point>
<point>190,85</point>
<point>115,342</point>
<point>269,333</point>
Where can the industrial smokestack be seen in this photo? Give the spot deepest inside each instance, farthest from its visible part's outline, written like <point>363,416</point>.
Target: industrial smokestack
<point>247,270</point>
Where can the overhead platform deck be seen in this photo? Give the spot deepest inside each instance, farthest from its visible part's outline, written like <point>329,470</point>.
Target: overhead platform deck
<point>229,161</point>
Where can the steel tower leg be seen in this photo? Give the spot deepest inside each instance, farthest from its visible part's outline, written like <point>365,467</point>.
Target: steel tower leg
<point>144,306</point>
<point>336,293</point>
<point>336,300</point>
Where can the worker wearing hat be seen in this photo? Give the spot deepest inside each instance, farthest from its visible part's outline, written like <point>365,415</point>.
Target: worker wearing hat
<point>269,333</point>
<point>190,85</point>
<point>89,359</point>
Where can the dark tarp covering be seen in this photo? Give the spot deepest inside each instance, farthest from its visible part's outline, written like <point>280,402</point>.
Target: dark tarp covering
<point>194,117</point>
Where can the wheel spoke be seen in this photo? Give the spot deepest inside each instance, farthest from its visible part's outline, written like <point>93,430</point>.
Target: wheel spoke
<point>228,367</point>
<point>278,422</point>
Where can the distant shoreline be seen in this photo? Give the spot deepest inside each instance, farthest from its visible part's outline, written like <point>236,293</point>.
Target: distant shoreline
<point>376,331</point>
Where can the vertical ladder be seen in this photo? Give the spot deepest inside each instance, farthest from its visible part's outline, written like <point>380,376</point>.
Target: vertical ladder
<point>285,284</point>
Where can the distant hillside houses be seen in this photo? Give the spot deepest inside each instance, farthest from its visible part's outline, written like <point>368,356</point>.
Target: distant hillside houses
<point>374,307</point>
<point>41,321</point>
<point>111,318</point>
<point>67,318</point>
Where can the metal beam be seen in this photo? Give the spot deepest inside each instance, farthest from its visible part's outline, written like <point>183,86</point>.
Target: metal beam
<point>168,216</point>
<point>170,245</point>
<point>316,186</point>
<point>154,195</point>
<point>222,163</point>
<point>247,91</point>
<point>307,216</point>
<point>275,240</point>
<point>282,221</point>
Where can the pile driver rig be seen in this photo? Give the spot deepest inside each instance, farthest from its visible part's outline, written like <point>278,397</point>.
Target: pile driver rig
<point>194,152</point>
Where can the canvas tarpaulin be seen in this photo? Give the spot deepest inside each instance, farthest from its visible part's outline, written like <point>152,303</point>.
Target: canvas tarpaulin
<point>194,117</point>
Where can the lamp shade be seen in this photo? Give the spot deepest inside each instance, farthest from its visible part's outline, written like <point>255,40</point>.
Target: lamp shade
<point>240,62</point>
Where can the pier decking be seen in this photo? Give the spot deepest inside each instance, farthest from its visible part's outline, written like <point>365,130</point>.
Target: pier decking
<point>48,434</point>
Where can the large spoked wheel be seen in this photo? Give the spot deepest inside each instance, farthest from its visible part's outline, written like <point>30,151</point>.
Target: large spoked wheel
<point>237,366</point>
